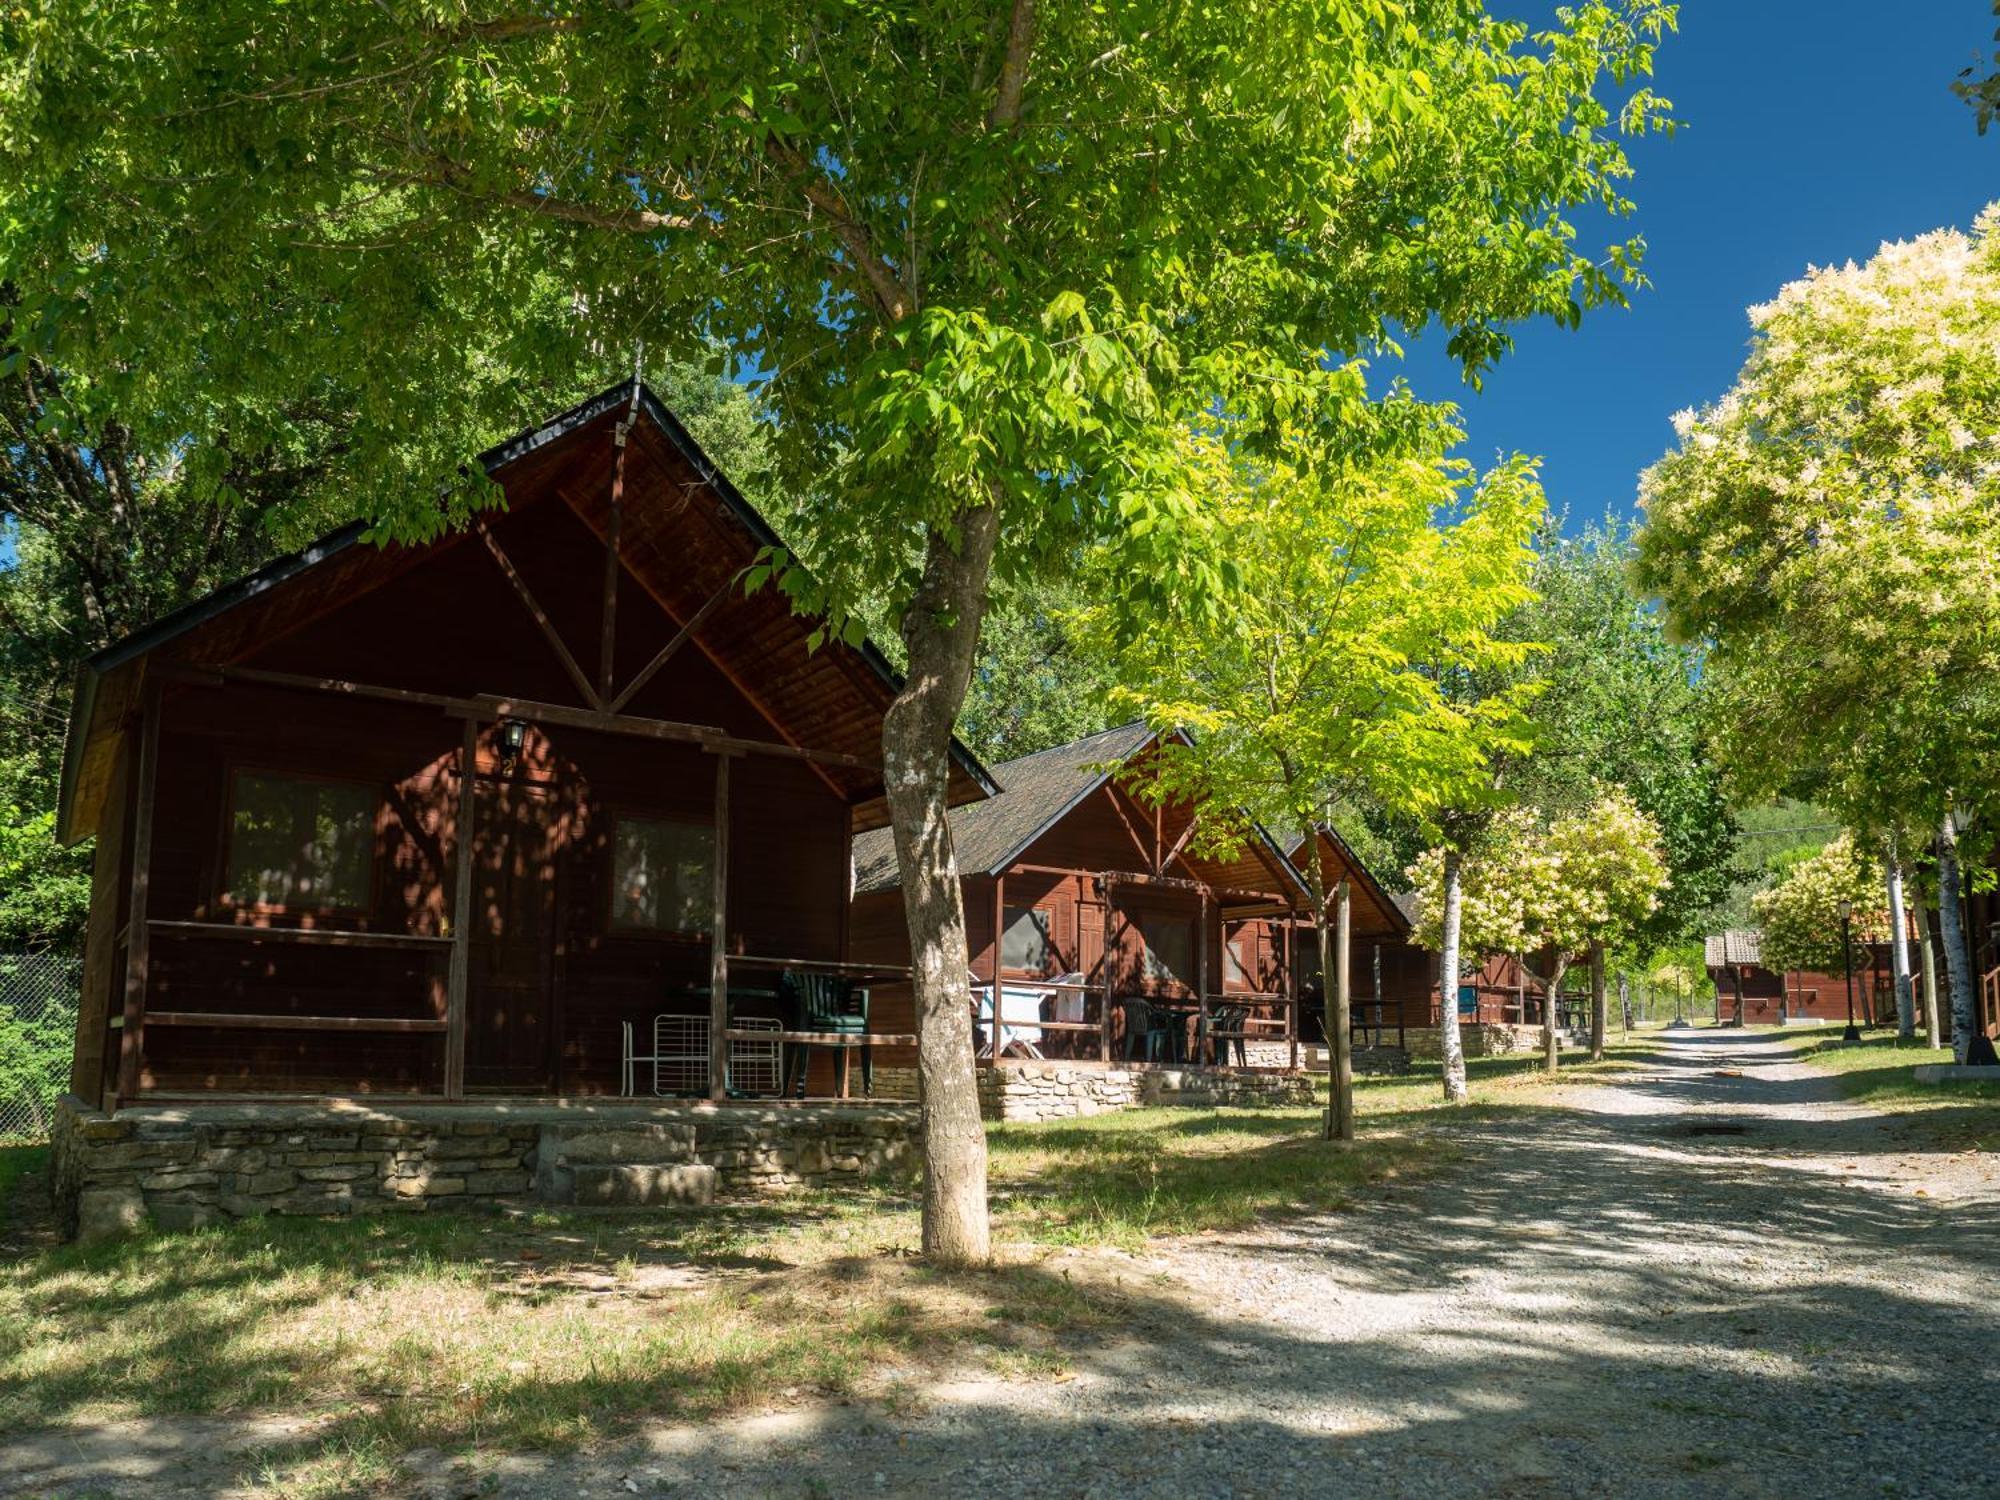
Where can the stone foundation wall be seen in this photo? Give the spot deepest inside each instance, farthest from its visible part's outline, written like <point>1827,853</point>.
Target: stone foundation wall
<point>1054,1091</point>
<point>1062,1091</point>
<point>181,1167</point>
<point>1480,1039</point>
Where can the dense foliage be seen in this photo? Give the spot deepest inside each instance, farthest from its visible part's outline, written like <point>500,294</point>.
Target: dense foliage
<point>1830,527</point>
<point>1800,915</point>
<point>1589,876</point>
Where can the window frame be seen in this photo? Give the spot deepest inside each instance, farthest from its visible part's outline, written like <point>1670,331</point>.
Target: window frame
<point>1234,970</point>
<point>226,898</point>
<point>1187,923</point>
<point>1052,957</point>
<point>617,817</point>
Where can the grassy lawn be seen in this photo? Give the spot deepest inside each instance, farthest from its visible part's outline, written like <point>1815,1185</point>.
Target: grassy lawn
<point>486,1333</point>
<point>15,1163</point>
<point>1880,1072</point>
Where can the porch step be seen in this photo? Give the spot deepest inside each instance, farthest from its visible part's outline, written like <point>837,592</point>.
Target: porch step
<point>638,1186</point>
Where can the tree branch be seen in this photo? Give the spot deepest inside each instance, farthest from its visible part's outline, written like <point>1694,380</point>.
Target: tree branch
<point>1006,111</point>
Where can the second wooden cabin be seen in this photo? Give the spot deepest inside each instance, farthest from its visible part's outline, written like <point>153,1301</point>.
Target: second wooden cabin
<point>1111,940</point>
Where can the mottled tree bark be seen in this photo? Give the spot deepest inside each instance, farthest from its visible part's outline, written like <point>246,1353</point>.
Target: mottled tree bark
<point>1899,951</point>
<point>1340,1010</point>
<point>1551,1044</point>
<point>1927,952</point>
<point>1598,1007</point>
<point>941,632</point>
<point>1957,962</point>
<point>1451,1047</point>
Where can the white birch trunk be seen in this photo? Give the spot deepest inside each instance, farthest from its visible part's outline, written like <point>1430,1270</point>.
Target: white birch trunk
<point>1451,1048</point>
<point>1951,922</point>
<point>1899,951</point>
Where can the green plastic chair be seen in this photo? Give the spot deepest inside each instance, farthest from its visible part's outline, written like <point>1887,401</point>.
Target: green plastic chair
<point>826,1003</point>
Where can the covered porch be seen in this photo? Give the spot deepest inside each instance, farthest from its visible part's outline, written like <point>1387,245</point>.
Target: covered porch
<point>549,809</point>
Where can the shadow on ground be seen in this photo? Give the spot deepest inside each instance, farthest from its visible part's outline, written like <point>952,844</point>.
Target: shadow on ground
<point>1582,1304</point>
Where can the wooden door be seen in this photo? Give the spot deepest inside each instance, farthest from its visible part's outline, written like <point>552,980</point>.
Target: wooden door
<point>509,996</point>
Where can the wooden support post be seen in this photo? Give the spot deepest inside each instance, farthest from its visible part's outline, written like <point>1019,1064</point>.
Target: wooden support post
<point>1201,981</point>
<point>463,857</point>
<point>718,944</point>
<point>607,644</point>
<point>1104,965</point>
<point>136,925</point>
<point>999,915</point>
<point>1290,934</point>
<point>1343,1039</point>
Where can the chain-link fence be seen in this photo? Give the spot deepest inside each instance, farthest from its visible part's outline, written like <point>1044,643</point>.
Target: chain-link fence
<point>38,999</point>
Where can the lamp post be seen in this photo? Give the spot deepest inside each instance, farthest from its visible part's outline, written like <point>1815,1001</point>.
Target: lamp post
<point>1853,1032</point>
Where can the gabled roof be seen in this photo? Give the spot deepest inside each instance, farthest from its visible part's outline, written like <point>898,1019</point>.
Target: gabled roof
<point>1035,792</point>
<point>839,693</point>
<point>1398,910</point>
<point>1736,945</point>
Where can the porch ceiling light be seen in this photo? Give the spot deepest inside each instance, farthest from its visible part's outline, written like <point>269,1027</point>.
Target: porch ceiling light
<point>513,737</point>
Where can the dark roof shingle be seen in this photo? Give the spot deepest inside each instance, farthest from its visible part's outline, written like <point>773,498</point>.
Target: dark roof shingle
<point>1035,790</point>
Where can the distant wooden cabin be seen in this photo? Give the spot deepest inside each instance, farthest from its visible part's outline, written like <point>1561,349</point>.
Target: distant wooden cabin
<point>1108,917</point>
<point>1750,994</point>
<point>1392,982</point>
<point>440,820</point>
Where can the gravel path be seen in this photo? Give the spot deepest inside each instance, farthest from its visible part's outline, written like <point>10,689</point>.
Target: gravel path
<point>1637,1300</point>
<point>1714,1277</point>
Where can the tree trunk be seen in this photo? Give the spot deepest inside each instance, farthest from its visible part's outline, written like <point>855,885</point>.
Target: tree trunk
<point>1598,1007</point>
<point>1957,962</point>
<point>1451,1050</point>
<point>1899,953</point>
<point>1340,1008</point>
<point>1929,955</point>
<point>941,632</point>
<point>1550,1044</point>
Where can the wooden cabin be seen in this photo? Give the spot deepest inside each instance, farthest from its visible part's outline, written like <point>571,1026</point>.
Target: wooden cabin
<point>1391,982</point>
<point>443,820</point>
<point>1113,931</point>
<point>1749,994</point>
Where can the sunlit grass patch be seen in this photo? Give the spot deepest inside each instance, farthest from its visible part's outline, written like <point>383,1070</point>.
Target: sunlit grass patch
<point>462,1332</point>
<point>1881,1071</point>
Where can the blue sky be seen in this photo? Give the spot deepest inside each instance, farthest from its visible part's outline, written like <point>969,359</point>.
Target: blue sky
<point>1812,130</point>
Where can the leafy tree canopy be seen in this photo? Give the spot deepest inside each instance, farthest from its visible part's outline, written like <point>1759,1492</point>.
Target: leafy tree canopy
<point>1829,528</point>
<point>971,265</point>
<point>1623,704</point>
<point>1592,875</point>
<point>1800,915</point>
<point>1366,590</point>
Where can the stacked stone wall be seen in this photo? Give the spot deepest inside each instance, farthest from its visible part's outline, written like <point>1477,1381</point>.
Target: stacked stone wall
<point>1054,1091</point>
<point>182,1167</point>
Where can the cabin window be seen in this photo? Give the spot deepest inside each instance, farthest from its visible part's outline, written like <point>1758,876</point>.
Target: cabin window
<point>1026,943</point>
<point>1235,963</point>
<point>1168,956</point>
<point>301,843</point>
<point>662,876</point>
